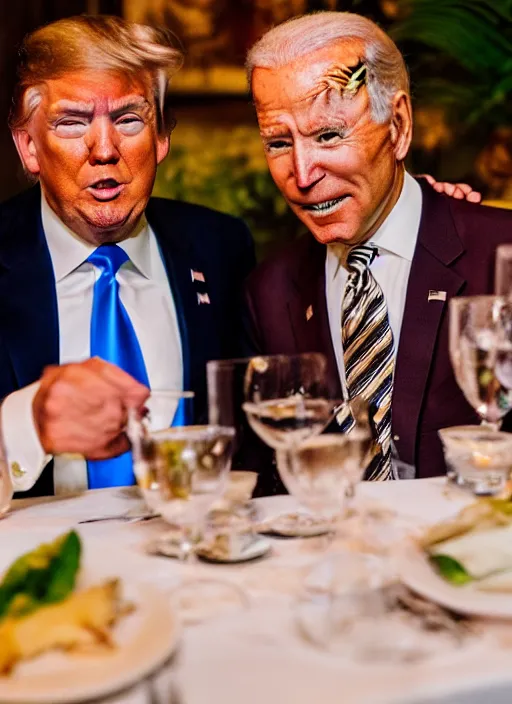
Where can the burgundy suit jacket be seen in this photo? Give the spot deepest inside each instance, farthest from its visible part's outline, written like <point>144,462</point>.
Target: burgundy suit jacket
<point>454,253</point>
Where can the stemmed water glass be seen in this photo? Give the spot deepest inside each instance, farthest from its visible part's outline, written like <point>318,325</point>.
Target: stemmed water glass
<point>287,400</point>
<point>181,471</point>
<point>343,605</point>
<point>481,354</point>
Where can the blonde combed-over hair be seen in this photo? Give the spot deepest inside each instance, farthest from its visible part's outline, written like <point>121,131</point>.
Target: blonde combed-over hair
<point>295,38</point>
<point>100,42</point>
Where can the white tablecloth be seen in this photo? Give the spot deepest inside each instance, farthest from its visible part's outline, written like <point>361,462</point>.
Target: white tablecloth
<point>256,656</point>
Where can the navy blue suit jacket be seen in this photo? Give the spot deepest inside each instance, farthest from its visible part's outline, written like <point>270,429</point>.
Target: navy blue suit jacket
<point>190,238</point>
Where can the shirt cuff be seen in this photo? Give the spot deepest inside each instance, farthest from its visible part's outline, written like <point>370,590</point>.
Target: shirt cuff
<point>25,454</point>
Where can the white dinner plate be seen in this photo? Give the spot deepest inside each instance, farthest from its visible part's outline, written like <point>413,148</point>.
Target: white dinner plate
<point>145,639</point>
<point>416,572</point>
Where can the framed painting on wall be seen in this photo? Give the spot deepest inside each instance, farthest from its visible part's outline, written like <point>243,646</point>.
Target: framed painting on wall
<point>215,34</point>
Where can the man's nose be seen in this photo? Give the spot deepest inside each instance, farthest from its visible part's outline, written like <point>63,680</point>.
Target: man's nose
<point>102,143</point>
<point>306,169</point>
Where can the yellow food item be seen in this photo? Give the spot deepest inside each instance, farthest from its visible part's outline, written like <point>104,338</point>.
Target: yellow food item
<point>81,620</point>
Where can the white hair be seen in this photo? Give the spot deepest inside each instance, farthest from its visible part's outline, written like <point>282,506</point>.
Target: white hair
<point>386,70</point>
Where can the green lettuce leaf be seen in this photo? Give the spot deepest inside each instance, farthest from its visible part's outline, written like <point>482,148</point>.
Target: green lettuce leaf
<point>450,569</point>
<point>43,576</point>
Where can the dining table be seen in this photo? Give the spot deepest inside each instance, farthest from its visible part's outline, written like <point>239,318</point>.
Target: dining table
<point>255,653</point>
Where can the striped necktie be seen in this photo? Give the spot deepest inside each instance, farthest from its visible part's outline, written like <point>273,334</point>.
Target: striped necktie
<point>368,351</point>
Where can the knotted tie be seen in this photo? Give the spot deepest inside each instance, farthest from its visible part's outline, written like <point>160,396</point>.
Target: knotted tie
<point>368,350</point>
<point>114,340</point>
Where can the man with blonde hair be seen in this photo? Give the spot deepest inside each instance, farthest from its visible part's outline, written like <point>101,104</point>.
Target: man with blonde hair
<point>371,288</point>
<point>122,291</point>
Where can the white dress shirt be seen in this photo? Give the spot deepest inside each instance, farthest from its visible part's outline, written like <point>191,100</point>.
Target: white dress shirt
<point>396,240</point>
<point>145,293</point>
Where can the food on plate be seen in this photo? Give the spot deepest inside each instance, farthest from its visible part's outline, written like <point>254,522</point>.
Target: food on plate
<point>474,547</point>
<point>40,611</point>
<point>81,620</point>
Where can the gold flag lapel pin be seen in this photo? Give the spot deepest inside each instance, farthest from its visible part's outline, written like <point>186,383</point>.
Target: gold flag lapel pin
<point>309,312</point>
<point>437,295</point>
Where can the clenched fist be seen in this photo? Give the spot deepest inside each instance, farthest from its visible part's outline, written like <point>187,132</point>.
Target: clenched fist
<point>82,408</point>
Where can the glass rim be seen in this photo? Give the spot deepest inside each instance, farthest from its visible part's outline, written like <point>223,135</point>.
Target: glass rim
<point>212,363</point>
<point>170,393</point>
<point>459,300</point>
<point>192,432</point>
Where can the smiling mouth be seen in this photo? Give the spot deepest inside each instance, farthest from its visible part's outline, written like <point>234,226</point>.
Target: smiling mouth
<point>325,208</point>
<point>106,189</point>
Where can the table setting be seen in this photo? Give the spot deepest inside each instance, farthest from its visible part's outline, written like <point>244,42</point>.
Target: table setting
<point>184,588</point>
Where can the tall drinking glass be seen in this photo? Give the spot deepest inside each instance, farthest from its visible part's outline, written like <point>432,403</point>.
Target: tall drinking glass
<point>503,270</point>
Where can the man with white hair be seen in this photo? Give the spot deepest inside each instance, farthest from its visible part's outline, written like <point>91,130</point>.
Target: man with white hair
<point>371,288</point>
<point>124,292</point>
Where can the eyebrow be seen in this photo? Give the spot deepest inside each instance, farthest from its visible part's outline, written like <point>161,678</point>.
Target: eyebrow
<point>276,133</point>
<point>82,109</point>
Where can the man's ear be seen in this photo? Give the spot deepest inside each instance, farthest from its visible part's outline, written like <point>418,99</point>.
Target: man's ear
<point>27,150</point>
<point>162,148</point>
<point>401,125</point>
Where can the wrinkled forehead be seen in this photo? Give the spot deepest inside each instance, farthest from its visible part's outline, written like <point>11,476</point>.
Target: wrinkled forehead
<point>314,86</point>
<point>100,90</point>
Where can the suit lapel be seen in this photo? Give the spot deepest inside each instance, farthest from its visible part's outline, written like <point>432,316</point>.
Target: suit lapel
<point>195,302</point>
<point>307,309</point>
<point>29,313</point>
<point>437,248</point>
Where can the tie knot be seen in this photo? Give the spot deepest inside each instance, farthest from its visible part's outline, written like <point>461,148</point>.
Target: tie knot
<point>109,258</point>
<point>361,257</point>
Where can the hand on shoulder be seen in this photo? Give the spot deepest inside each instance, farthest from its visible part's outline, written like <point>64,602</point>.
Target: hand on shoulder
<point>459,191</point>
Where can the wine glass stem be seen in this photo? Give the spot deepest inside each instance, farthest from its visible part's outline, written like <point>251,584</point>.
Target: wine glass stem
<point>189,540</point>
<point>491,425</point>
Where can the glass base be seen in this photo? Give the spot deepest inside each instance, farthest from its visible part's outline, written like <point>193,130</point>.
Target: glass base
<point>485,484</point>
<point>201,599</point>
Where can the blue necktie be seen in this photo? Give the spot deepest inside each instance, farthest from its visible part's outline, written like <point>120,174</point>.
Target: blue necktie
<point>114,340</point>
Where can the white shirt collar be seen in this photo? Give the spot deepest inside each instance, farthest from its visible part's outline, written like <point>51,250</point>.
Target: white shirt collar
<point>399,231</point>
<point>68,251</point>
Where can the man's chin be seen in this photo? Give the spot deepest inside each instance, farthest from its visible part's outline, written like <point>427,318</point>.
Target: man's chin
<point>109,226</point>
<point>335,233</point>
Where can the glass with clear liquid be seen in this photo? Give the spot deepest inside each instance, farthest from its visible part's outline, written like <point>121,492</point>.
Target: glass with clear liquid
<point>284,421</point>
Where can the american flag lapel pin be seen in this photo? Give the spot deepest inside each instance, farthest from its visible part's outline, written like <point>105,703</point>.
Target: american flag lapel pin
<point>309,312</point>
<point>203,298</point>
<point>436,295</point>
<point>197,276</point>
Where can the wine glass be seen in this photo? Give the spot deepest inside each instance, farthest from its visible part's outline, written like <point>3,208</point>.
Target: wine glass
<point>503,270</point>
<point>287,400</point>
<point>322,471</point>
<point>481,354</point>
<point>344,604</point>
<point>182,470</point>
